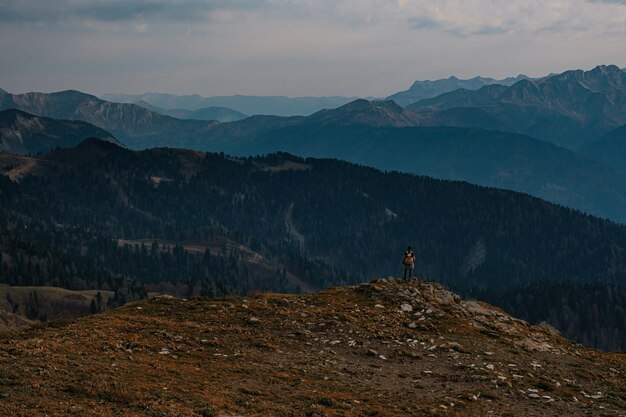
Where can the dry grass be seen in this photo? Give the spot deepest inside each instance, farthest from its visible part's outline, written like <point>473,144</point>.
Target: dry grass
<point>342,352</point>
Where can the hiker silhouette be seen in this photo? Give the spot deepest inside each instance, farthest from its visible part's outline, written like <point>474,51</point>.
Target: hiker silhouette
<point>409,262</point>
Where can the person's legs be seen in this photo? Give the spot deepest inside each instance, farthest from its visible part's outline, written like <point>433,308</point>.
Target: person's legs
<point>406,269</point>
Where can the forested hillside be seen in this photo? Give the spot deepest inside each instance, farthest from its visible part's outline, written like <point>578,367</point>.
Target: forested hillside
<point>380,134</point>
<point>496,159</point>
<point>207,224</point>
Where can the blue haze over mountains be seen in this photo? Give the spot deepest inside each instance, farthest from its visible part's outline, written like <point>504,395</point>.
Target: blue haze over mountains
<point>428,89</point>
<point>220,114</point>
<point>250,105</point>
<point>302,106</point>
<point>496,135</point>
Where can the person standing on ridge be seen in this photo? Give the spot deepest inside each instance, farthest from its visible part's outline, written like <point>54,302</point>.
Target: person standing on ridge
<point>409,262</point>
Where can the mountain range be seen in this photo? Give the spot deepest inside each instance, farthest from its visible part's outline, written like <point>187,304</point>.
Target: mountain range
<point>491,158</point>
<point>252,105</point>
<point>428,89</point>
<point>572,109</point>
<point>189,223</point>
<point>220,114</point>
<point>299,106</point>
<point>23,133</point>
<point>381,134</point>
<point>303,106</point>
<point>132,125</point>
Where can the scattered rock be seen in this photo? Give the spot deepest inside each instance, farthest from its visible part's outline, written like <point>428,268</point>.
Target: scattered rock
<point>317,344</point>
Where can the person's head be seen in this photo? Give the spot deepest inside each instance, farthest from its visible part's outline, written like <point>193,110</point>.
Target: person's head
<point>408,248</point>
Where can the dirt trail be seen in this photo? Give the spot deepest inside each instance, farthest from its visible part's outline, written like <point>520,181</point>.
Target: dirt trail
<point>292,229</point>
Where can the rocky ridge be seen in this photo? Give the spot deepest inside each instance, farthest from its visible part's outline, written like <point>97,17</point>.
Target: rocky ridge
<point>384,348</point>
<point>572,109</point>
<point>428,89</point>
<point>132,125</point>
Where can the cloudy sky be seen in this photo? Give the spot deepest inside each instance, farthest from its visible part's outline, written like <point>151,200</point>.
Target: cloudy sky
<point>296,47</point>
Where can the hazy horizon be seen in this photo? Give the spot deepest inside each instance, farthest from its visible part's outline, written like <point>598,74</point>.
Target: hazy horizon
<point>369,48</point>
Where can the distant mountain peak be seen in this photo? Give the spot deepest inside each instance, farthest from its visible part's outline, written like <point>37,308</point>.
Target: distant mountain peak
<point>364,112</point>
<point>72,91</point>
<point>363,104</point>
<point>426,89</point>
<point>611,68</point>
<point>600,71</point>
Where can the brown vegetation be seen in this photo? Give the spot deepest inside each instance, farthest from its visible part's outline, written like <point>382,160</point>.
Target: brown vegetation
<point>381,349</point>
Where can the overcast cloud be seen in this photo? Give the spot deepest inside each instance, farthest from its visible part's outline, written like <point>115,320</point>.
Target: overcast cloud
<point>296,47</point>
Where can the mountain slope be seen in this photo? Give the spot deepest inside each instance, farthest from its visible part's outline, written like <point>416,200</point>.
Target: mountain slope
<point>571,109</point>
<point>23,133</point>
<point>610,149</point>
<point>427,89</point>
<point>132,125</point>
<point>220,114</point>
<point>194,224</point>
<point>357,133</point>
<point>364,112</point>
<point>378,349</point>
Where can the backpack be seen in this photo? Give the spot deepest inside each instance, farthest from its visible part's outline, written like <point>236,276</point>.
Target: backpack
<point>408,258</point>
